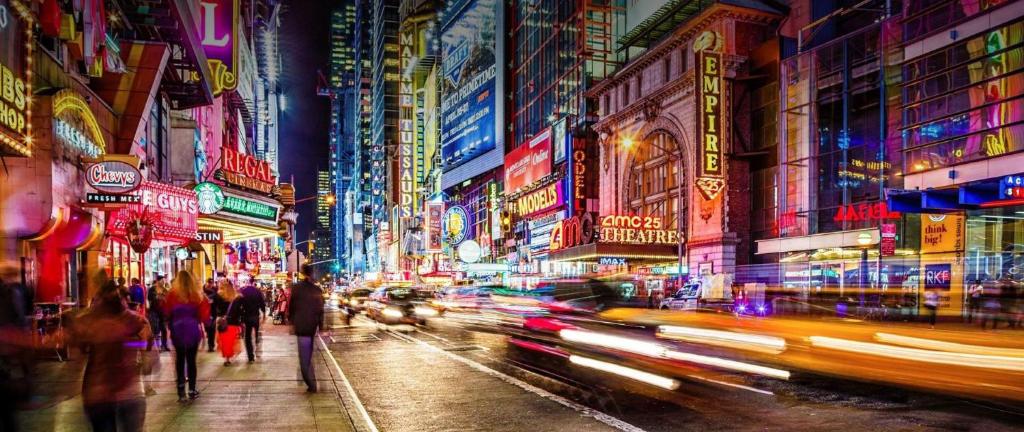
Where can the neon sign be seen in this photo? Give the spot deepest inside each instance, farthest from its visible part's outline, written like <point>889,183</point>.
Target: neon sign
<point>545,198</point>
<point>865,212</point>
<point>218,30</point>
<point>114,177</point>
<point>15,80</point>
<point>636,230</point>
<point>708,92</point>
<point>455,224</point>
<point>210,196</point>
<point>1012,187</point>
<point>246,171</point>
<point>406,129</point>
<point>579,178</point>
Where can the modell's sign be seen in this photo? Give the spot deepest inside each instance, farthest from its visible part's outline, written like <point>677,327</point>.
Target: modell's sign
<point>636,230</point>
<point>545,198</point>
<point>245,171</point>
<point>113,177</point>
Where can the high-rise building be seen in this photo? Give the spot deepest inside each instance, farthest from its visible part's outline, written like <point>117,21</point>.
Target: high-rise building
<point>323,234</point>
<point>359,195</point>
<point>383,122</point>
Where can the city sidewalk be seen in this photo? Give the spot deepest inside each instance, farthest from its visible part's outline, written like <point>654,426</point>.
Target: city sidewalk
<point>264,396</point>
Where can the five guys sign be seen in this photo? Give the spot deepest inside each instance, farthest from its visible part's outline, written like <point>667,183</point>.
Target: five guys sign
<point>246,171</point>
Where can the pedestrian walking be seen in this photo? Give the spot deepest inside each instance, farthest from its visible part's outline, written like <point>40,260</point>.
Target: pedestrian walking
<point>210,291</point>
<point>113,336</point>
<point>157,318</point>
<point>15,348</point>
<point>254,309</point>
<point>974,294</point>
<point>136,295</point>
<point>991,308</point>
<point>229,321</point>
<point>931,303</point>
<point>187,310</point>
<point>306,313</point>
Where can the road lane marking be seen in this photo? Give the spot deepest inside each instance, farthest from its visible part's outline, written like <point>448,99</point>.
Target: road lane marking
<point>530,388</point>
<point>348,387</point>
<point>729,384</point>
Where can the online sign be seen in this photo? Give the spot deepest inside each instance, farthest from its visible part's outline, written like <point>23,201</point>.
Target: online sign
<point>113,177</point>
<point>528,163</point>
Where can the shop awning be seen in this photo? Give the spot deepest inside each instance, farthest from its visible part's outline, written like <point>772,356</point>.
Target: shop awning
<point>132,93</point>
<point>840,239</point>
<point>69,229</point>
<point>236,230</point>
<point>635,253</point>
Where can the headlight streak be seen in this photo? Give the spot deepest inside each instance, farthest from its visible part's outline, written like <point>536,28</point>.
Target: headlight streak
<point>392,313</point>
<point>423,311</point>
<point>751,342</point>
<point>633,374</point>
<point>935,345</point>
<point>655,350</point>
<point>950,358</point>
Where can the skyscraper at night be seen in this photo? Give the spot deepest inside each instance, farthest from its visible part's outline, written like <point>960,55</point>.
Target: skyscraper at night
<point>383,123</point>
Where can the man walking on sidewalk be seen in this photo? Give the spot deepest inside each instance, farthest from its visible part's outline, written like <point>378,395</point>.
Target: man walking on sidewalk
<point>306,313</point>
<point>254,308</point>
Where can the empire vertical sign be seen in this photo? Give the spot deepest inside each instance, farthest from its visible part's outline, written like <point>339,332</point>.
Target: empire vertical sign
<point>406,128</point>
<point>218,31</point>
<point>709,88</point>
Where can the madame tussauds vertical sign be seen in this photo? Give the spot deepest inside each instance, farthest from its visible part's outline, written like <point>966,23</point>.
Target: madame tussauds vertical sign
<point>709,90</point>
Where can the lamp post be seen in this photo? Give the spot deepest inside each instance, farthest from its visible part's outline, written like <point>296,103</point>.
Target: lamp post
<point>675,156</point>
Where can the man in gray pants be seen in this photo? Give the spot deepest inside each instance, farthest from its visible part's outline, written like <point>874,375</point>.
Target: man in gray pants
<point>306,313</point>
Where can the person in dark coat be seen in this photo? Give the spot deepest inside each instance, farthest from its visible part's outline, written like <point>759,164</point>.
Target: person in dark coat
<point>111,385</point>
<point>254,308</point>
<point>306,313</point>
<point>136,295</point>
<point>15,348</point>
<point>210,291</point>
<point>187,309</point>
<point>155,313</point>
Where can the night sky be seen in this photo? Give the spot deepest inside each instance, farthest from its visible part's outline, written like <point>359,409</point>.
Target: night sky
<point>303,140</point>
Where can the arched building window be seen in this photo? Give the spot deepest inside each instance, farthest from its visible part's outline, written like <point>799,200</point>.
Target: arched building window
<point>651,179</point>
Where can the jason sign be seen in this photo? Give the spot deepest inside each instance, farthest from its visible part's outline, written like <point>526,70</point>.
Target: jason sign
<point>709,97</point>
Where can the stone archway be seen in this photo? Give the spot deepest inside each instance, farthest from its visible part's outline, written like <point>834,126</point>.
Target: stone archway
<point>641,179</point>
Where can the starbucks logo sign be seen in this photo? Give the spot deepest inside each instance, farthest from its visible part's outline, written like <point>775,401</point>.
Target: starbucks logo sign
<point>210,196</point>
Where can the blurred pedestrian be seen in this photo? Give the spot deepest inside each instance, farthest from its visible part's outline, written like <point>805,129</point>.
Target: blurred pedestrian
<point>254,309</point>
<point>186,309</point>
<point>15,347</point>
<point>306,313</point>
<point>974,294</point>
<point>136,295</point>
<point>111,385</point>
<point>931,303</point>
<point>155,313</point>
<point>210,291</point>
<point>991,308</point>
<point>229,321</point>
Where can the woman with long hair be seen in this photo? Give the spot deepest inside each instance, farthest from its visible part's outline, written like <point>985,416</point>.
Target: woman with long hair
<point>229,323</point>
<point>111,386</point>
<point>186,309</point>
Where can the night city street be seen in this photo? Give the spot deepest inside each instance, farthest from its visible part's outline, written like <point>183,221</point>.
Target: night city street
<point>511,215</point>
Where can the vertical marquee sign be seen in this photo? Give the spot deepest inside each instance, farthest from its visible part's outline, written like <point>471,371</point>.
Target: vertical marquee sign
<point>709,89</point>
<point>406,129</point>
<point>218,31</point>
<point>15,78</point>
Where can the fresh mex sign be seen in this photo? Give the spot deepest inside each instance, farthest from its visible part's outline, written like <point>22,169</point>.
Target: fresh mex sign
<point>709,88</point>
<point>218,30</point>
<point>246,171</point>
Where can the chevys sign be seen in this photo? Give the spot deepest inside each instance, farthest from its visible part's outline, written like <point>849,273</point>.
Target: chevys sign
<point>246,171</point>
<point>528,163</point>
<point>113,177</point>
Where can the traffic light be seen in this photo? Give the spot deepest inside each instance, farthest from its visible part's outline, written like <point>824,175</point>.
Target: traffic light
<point>506,221</point>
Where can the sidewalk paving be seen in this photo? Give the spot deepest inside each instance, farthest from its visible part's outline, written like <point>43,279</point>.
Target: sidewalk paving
<point>265,396</point>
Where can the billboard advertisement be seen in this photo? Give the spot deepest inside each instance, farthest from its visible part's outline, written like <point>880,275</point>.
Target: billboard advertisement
<point>469,77</point>
<point>528,163</point>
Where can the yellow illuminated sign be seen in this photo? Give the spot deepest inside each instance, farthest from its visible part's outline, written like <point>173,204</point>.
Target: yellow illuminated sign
<point>708,93</point>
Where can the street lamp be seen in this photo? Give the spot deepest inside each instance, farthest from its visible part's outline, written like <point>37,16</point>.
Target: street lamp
<point>674,155</point>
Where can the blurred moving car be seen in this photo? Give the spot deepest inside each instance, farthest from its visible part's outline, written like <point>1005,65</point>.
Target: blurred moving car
<point>711,293</point>
<point>355,300</point>
<point>398,305</point>
<point>468,297</point>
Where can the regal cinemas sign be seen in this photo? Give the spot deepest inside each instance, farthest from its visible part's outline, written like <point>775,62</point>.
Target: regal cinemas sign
<point>246,171</point>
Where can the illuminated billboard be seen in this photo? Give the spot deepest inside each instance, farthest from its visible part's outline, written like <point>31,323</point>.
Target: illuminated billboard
<point>471,85</point>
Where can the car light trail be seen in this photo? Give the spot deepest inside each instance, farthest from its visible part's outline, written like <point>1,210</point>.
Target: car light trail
<point>728,364</point>
<point>633,374</point>
<point>935,345</point>
<point>751,342</point>
<point>914,354</point>
<point>651,349</point>
<point>423,311</point>
<point>614,342</point>
<point>392,313</point>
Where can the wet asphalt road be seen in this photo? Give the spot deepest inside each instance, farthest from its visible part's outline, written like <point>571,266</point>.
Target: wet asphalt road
<point>455,375</point>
